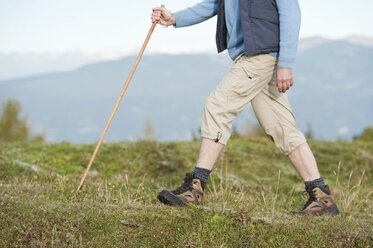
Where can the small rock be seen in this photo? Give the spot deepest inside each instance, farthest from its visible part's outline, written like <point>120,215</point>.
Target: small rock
<point>128,223</point>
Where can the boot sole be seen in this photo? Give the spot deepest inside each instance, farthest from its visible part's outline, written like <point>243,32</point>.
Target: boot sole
<point>169,199</point>
<point>330,211</point>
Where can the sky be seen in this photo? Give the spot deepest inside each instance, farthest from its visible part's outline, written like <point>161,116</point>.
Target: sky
<point>120,26</point>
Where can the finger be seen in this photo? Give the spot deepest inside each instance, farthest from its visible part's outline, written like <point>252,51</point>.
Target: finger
<point>288,82</point>
<point>158,9</point>
<point>155,20</point>
<point>279,81</point>
<point>157,13</point>
<point>280,88</point>
<point>156,17</point>
<point>288,85</point>
<point>283,88</point>
<point>279,85</point>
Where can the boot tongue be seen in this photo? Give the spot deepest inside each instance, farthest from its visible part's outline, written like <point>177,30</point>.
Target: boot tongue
<point>186,185</point>
<point>188,178</point>
<point>309,190</point>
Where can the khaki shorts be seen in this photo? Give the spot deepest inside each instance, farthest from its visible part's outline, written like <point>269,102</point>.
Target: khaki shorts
<point>251,79</point>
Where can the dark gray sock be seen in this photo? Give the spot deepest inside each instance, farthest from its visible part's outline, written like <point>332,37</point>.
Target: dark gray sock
<point>319,183</point>
<point>202,174</point>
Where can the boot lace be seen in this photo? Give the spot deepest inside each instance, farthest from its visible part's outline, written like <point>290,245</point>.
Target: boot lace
<point>310,199</point>
<point>187,185</point>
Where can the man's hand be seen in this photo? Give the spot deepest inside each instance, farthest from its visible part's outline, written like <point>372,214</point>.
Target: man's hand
<point>163,16</point>
<point>284,79</point>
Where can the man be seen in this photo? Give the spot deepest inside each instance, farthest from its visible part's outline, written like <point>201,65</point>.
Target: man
<point>261,37</point>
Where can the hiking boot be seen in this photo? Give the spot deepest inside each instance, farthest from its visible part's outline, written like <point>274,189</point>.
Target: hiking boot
<point>190,192</point>
<point>320,202</point>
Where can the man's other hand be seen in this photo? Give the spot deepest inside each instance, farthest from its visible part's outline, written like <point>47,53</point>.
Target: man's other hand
<point>163,16</point>
<point>284,79</point>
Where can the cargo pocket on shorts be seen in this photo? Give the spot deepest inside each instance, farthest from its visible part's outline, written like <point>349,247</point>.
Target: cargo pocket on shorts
<point>245,86</point>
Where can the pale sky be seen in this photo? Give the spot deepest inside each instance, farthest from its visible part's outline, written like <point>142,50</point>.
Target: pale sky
<point>97,26</point>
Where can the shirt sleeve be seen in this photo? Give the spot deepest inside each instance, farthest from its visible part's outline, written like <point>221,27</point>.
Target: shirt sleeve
<point>290,19</point>
<point>196,14</point>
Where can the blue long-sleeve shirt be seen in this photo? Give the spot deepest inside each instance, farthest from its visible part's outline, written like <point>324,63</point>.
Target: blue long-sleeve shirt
<point>289,15</point>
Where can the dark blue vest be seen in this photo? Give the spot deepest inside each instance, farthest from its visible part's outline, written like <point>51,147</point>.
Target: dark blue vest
<point>260,26</point>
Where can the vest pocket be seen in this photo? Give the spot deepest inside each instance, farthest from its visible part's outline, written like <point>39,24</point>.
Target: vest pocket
<point>264,10</point>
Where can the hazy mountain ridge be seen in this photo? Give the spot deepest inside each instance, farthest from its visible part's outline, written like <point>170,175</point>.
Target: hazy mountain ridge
<point>21,65</point>
<point>333,91</point>
<point>336,87</point>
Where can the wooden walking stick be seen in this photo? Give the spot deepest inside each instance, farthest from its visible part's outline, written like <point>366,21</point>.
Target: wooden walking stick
<point>117,104</point>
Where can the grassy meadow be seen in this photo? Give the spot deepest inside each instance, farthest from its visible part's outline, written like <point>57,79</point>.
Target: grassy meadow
<point>250,193</point>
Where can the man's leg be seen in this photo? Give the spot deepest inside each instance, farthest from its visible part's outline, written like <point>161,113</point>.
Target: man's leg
<point>246,79</point>
<point>304,163</point>
<point>208,154</point>
<point>248,76</point>
<point>321,201</point>
<point>273,111</point>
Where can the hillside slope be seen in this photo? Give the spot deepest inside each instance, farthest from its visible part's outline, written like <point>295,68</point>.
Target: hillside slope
<point>248,198</point>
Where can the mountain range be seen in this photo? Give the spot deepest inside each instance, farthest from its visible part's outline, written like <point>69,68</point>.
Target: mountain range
<point>333,92</point>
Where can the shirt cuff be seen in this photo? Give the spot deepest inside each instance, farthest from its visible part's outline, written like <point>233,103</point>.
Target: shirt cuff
<point>285,64</point>
<point>180,20</point>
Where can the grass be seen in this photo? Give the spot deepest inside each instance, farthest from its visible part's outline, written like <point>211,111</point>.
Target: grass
<point>249,195</point>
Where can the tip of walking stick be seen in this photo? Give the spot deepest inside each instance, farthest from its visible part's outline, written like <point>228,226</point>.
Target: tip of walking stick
<point>78,190</point>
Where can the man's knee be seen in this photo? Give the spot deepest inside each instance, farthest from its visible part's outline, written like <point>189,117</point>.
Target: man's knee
<point>286,137</point>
